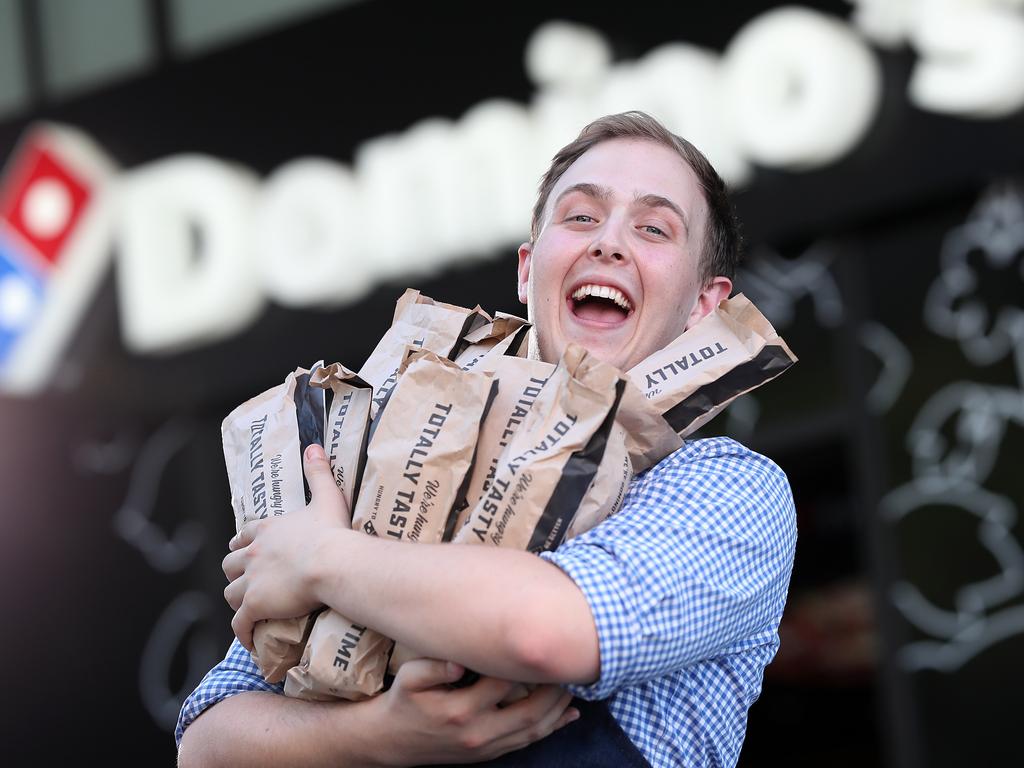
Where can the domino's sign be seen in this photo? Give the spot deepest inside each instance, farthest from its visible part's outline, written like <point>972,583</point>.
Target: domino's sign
<point>794,89</point>
<point>55,232</point>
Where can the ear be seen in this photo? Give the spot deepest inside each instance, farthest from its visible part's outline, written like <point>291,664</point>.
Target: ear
<point>525,252</point>
<point>708,299</point>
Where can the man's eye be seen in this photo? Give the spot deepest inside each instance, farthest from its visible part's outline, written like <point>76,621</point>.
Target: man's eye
<point>581,218</point>
<point>653,230</point>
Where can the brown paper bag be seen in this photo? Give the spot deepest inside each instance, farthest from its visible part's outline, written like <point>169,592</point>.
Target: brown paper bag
<point>421,450</point>
<point>520,381</point>
<point>505,335</point>
<point>348,425</point>
<point>730,352</point>
<point>608,488</point>
<point>341,660</point>
<point>421,322</point>
<point>638,440</point>
<point>649,438</point>
<point>348,421</point>
<point>548,465</point>
<point>419,455</point>
<point>263,442</point>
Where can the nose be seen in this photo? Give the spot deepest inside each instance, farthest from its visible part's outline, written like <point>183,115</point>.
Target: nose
<point>599,250</point>
<point>608,244</point>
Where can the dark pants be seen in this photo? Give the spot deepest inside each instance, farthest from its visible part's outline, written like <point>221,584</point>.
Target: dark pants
<point>595,740</point>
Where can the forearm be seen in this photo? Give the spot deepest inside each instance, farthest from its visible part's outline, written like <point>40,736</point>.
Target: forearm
<point>501,612</point>
<point>256,729</point>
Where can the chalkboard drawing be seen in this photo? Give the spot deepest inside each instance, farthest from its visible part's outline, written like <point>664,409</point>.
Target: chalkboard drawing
<point>106,457</point>
<point>987,329</point>
<point>978,617</point>
<point>775,284</point>
<point>186,621</point>
<point>977,416</point>
<point>134,520</point>
<point>897,364</point>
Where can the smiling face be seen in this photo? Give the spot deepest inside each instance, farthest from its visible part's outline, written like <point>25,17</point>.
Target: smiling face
<point>614,267</point>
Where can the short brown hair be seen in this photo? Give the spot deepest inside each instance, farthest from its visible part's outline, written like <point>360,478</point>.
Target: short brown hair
<point>721,252</point>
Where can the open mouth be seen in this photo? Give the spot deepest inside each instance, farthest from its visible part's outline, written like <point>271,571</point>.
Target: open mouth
<point>600,304</point>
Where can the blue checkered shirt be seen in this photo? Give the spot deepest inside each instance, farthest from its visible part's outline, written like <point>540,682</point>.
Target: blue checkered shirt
<point>686,583</point>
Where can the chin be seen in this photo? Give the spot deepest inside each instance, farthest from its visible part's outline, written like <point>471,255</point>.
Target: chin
<point>551,351</point>
<point>615,356</point>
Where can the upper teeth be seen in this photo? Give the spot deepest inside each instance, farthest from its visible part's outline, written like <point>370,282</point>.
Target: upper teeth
<point>603,292</point>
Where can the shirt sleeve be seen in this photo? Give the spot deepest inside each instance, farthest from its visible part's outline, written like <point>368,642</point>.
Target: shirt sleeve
<point>695,565</point>
<point>237,673</point>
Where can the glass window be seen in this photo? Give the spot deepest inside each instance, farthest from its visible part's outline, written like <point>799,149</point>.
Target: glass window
<point>13,84</point>
<point>86,44</point>
<point>200,24</point>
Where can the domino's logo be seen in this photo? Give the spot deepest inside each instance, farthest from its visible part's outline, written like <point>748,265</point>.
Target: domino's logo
<point>54,247</point>
<point>21,295</point>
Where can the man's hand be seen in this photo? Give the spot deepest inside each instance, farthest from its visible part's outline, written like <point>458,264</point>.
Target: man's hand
<point>434,723</point>
<point>268,566</point>
<point>419,720</point>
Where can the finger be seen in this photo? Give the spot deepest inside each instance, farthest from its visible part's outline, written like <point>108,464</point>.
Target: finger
<point>560,713</point>
<point>516,727</point>
<point>547,702</point>
<point>518,692</point>
<point>245,535</point>
<point>318,473</point>
<point>423,674</point>
<point>536,725</point>
<point>233,565</point>
<point>487,692</point>
<point>570,715</point>
<point>234,593</point>
<point>241,625</point>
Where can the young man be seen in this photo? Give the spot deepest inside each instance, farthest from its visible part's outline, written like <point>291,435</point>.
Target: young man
<point>668,611</point>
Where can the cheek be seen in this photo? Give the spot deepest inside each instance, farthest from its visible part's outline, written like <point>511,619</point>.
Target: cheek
<point>672,295</point>
<point>547,273</point>
<point>540,280</point>
<point>670,286</point>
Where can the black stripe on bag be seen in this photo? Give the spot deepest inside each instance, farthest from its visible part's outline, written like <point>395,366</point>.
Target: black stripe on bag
<point>380,412</point>
<point>474,321</point>
<point>310,417</point>
<point>328,402</point>
<point>521,337</point>
<point>572,486</point>
<point>461,502</point>
<point>769,363</point>
<point>361,461</point>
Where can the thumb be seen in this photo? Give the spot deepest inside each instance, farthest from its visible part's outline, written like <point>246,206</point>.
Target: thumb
<point>320,479</point>
<point>421,674</point>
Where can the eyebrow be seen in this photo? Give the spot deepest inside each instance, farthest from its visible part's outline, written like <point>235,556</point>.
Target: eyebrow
<point>657,201</point>
<point>604,193</point>
<point>586,188</point>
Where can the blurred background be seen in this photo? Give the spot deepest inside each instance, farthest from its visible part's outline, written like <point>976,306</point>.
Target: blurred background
<point>199,195</point>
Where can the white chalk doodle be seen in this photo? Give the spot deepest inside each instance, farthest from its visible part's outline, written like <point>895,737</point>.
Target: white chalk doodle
<point>897,364</point>
<point>134,520</point>
<point>181,621</point>
<point>106,457</point>
<point>976,416</point>
<point>776,284</point>
<point>957,437</point>
<point>976,621</point>
<point>954,307</point>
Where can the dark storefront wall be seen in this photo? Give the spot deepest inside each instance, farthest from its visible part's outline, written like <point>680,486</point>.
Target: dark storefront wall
<point>117,512</point>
